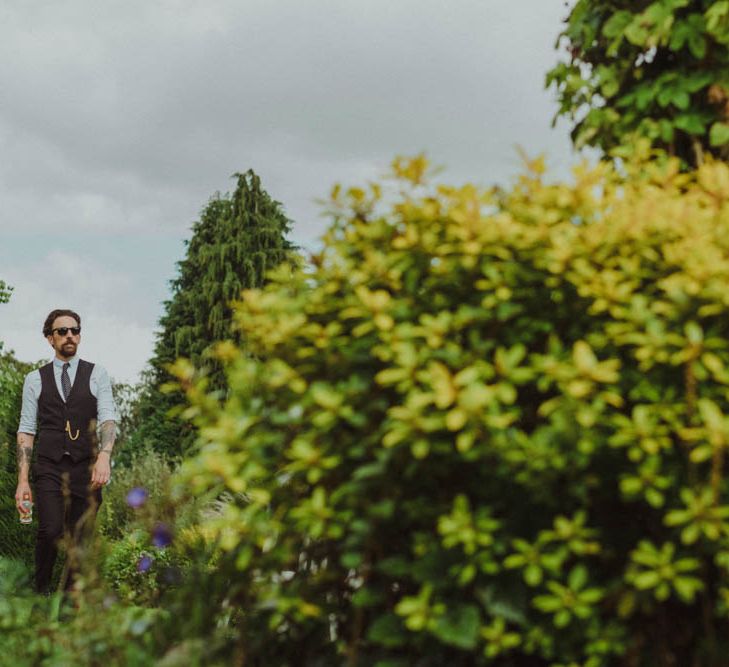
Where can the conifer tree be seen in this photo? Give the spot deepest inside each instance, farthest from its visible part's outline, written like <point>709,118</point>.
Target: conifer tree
<point>237,240</point>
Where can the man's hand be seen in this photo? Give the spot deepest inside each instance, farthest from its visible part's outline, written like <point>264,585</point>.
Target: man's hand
<point>22,492</point>
<point>25,455</point>
<point>101,473</point>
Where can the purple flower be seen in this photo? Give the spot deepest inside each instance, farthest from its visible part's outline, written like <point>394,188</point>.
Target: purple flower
<point>144,563</point>
<point>161,535</point>
<point>137,497</point>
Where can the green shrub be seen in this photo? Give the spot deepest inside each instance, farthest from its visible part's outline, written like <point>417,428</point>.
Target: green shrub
<point>146,469</point>
<point>16,540</point>
<point>484,427</point>
<point>126,531</point>
<point>47,631</point>
<point>20,615</point>
<point>137,570</point>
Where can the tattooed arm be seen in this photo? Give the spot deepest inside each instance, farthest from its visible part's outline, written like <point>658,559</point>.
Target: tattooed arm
<point>102,468</point>
<point>107,416</point>
<point>25,453</point>
<point>108,435</point>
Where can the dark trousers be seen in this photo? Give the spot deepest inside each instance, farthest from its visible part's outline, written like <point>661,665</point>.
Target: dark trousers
<point>66,508</point>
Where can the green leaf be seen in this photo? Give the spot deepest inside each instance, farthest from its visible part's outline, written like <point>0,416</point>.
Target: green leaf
<point>562,618</point>
<point>366,597</point>
<point>636,34</point>
<point>547,603</point>
<point>690,534</point>
<point>591,595</point>
<point>719,134</point>
<point>696,81</point>
<point>646,580</point>
<point>387,630</point>
<point>687,587</point>
<point>680,35</point>
<point>655,498</point>
<point>694,333</point>
<point>369,470</point>
<point>617,23</point>
<point>533,575</point>
<point>578,577</point>
<point>351,560</point>
<point>665,96</point>
<point>690,122</point>
<point>717,14</point>
<point>681,100</point>
<point>644,96</point>
<point>631,485</point>
<point>459,626</point>
<point>697,46</point>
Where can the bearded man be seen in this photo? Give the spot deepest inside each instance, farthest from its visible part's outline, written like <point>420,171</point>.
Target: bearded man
<point>63,402</point>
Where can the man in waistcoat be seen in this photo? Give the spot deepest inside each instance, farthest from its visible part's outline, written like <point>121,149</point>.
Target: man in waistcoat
<point>63,402</point>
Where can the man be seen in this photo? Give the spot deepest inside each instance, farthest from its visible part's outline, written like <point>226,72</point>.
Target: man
<point>63,402</point>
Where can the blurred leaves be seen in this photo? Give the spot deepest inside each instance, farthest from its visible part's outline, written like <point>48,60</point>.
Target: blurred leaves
<point>453,430</point>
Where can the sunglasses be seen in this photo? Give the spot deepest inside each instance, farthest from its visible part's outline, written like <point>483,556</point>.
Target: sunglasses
<point>62,331</point>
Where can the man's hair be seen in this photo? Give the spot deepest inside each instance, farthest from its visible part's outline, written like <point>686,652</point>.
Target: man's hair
<point>59,312</point>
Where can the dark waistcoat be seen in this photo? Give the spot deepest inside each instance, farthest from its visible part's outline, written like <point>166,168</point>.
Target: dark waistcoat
<point>71,426</point>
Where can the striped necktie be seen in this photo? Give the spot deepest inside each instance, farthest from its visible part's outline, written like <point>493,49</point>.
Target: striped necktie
<point>65,382</point>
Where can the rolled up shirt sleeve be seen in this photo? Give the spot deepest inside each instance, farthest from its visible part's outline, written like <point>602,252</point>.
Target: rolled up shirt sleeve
<point>101,388</point>
<point>29,407</point>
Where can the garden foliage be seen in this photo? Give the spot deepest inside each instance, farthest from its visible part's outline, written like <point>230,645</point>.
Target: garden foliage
<point>39,630</point>
<point>657,69</point>
<point>15,540</point>
<point>483,427</point>
<point>137,595</point>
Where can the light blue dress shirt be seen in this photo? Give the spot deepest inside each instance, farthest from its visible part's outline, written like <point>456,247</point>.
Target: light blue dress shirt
<point>99,383</point>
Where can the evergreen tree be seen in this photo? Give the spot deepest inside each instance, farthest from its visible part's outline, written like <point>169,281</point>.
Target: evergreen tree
<point>654,69</point>
<point>237,240</point>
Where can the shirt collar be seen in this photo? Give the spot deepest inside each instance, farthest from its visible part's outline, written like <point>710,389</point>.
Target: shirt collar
<point>73,361</point>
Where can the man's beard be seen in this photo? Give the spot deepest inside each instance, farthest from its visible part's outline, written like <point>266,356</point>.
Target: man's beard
<point>68,349</point>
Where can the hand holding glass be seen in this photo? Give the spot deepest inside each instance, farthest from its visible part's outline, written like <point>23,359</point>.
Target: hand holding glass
<point>26,516</point>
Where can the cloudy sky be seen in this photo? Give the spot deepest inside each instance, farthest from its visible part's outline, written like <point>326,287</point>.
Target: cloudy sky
<point>119,120</point>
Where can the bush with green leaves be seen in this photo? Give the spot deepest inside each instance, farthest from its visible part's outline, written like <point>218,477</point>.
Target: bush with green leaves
<point>48,631</point>
<point>483,427</point>
<point>16,540</point>
<point>147,470</point>
<point>127,558</point>
<point>655,69</point>
<point>137,571</point>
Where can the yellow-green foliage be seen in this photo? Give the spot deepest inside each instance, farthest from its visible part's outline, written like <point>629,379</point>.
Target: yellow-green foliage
<point>485,422</point>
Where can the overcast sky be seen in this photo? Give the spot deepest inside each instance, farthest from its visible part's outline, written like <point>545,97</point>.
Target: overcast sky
<point>119,120</point>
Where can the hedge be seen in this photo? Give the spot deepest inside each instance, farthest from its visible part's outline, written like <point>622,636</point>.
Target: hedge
<point>484,426</point>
